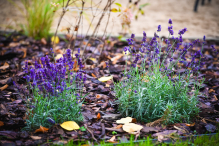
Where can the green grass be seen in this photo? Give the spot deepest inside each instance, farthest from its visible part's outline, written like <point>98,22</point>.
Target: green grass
<point>39,17</point>
<point>191,141</point>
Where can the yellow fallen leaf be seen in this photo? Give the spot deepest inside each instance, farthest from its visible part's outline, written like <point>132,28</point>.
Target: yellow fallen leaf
<point>124,120</point>
<point>93,59</point>
<point>58,56</point>
<point>104,79</point>
<point>70,125</point>
<point>55,39</point>
<point>131,127</point>
<point>114,10</point>
<point>126,53</point>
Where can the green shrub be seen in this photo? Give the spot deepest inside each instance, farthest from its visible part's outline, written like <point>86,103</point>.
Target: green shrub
<point>161,91</point>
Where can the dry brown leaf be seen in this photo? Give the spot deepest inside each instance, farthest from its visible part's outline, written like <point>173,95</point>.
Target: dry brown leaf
<point>36,137</point>
<point>5,66</point>
<point>193,124</point>
<point>43,41</point>
<point>4,87</point>
<point>134,120</point>
<point>98,116</point>
<point>98,96</point>
<point>211,90</point>
<point>119,126</point>
<point>1,123</point>
<point>93,75</point>
<point>25,52</point>
<point>207,53</point>
<point>41,129</point>
<point>112,140</point>
<point>116,58</point>
<point>215,97</point>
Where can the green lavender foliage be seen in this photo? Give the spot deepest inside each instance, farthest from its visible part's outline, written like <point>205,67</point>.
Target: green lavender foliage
<point>159,91</point>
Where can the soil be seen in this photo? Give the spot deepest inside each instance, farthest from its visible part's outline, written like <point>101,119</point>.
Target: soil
<point>16,49</point>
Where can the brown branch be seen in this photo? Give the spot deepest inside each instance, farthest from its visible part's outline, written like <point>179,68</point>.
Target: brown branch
<point>98,24</point>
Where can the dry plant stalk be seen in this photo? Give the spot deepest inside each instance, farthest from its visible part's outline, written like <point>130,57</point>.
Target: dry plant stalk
<point>106,8</point>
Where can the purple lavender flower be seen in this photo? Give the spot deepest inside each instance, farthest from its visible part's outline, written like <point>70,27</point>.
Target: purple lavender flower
<point>170,21</point>
<point>159,28</point>
<point>133,36</point>
<point>50,120</point>
<point>144,34</point>
<point>204,38</point>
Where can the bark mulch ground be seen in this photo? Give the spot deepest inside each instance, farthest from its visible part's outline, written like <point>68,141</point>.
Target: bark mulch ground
<point>15,49</point>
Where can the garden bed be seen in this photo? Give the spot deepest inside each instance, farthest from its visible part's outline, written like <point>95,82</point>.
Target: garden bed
<point>100,109</point>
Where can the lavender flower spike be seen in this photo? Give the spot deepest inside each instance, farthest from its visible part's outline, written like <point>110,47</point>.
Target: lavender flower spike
<point>170,21</point>
<point>159,28</point>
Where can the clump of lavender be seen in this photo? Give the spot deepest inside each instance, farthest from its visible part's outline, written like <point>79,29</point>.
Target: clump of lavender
<point>55,94</point>
<point>163,82</point>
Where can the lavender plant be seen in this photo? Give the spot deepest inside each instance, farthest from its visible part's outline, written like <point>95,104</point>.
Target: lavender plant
<point>166,83</point>
<point>56,91</point>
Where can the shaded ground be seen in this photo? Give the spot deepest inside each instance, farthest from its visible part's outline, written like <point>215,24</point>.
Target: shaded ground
<point>14,50</point>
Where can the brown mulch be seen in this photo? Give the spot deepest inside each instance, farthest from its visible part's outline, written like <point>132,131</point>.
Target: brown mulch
<point>100,110</point>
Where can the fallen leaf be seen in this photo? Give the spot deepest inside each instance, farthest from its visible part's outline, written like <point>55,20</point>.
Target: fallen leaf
<point>134,120</point>
<point>98,96</point>
<point>116,58</point>
<point>211,90</point>
<point>114,10</point>
<point>104,79</point>
<point>124,120</point>
<point>215,97</point>
<point>131,127</point>
<point>43,41</point>
<point>5,66</point>
<point>161,138</point>
<point>1,123</point>
<point>107,85</point>
<point>119,126</point>
<point>126,53</point>
<point>112,140</point>
<point>93,75</point>
<point>98,116</point>
<point>70,125</point>
<point>55,39</point>
<point>58,56</point>
<point>164,133</point>
<point>25,52</point>
<point>4,87</point>
<point>35,137</point>
<point>93,59</point>
<point>193,124</point>
<point>41,129</point>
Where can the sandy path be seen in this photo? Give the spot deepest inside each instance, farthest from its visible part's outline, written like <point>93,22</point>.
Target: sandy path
<point>204,22</point>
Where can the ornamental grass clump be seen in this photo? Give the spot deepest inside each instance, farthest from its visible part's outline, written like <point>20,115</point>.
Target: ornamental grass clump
<point>162,82</point>
<point>56,91</point>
